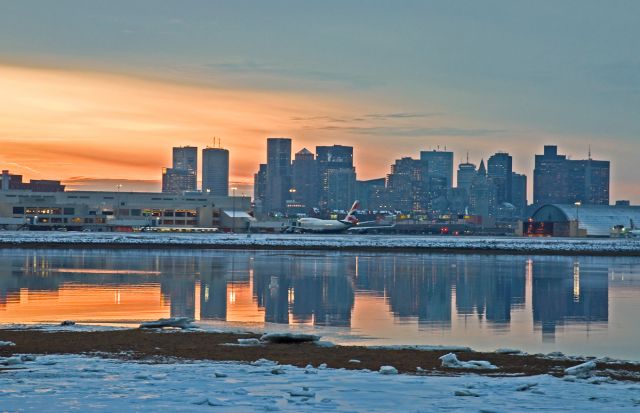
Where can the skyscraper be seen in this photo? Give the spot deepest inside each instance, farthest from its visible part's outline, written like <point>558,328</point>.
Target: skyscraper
<point>519,194</point>
<point>215,171</point>
<point>550,177</point>
<point>466,173</point>
<point>337,176</point>
<point>500,171</point>
<point>260,187</point>
<point>558,180</point>
<point>186,157</point>
<point>588,181</point>
<point>183,176</point>
<point>483,194</point>
<point>278,174</point>
<point>406,186</point>
<point>305,179</point>
<point>439,164</point>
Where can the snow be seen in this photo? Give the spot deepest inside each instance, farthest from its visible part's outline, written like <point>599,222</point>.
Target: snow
<point>388,370</point>
<point>7,343</point>
<point>451,361</point>
<point>323,241</point>
<point>508,351</point>
<point>248,342</point>
<point>581,371</point>
<point>175,322</point>
<point>81,383</point>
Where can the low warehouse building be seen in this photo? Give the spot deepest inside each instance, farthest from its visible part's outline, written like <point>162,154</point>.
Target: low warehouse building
<point>102,211</point>
<point>560,220</point>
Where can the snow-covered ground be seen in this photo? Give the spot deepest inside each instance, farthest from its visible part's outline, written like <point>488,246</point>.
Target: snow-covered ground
<point>351,241</point>
<point>78,383</point>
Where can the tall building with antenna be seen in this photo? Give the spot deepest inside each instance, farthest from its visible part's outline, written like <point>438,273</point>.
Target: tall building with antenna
<point>215,170</point>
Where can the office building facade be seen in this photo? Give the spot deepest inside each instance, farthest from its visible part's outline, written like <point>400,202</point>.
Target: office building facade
<point>278,174</point>
<point>215,171</point>
<point>305,179</point>
<point>336,175</point>
<point>558,180</point>
<point>500,171</point>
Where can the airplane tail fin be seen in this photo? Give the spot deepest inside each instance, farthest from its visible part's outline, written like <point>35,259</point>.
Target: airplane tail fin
<point>350,217</point>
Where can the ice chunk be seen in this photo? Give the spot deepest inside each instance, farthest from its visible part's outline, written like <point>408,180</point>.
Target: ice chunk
<point>12,361</point>
<point>176,322</point>
<point>219,375</point>
<point>249,342</point>
<point>289,338</point>
<point>526,386</point>
<point>264,362</point>
<point>304,392</point>
<point>7,343</point>
<point>581,371</point>
<point>388,370</point>
<point>28,357</point>
<point>508,351</point>
<point>68,323</point>
<point>451,361</point>
<point>355,361</point>
<point>465,393</point>
<point>278,370</point>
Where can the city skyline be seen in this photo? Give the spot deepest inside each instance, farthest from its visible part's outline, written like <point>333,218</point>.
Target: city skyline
<point>95,115</point>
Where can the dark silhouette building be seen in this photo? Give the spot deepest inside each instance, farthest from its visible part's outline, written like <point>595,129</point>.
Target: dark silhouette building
<point>337,176</point>
<point>305,179</point>
<point>278,174</point>
<point>183,175</point>
<point>439,166</point>
<point>500,171</point>
<point>519,193</point>
<point>559,180</point>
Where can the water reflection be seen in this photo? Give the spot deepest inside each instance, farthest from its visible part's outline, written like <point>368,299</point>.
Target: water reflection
<point>419,297</point>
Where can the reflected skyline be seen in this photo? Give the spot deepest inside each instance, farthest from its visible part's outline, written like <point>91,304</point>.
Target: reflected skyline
<point>391,299</point>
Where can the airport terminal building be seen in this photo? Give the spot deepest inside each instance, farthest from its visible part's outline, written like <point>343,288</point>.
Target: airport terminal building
<point>124,211</point>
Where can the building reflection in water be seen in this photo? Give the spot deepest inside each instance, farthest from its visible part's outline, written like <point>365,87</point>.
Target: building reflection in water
<point>296,288</point>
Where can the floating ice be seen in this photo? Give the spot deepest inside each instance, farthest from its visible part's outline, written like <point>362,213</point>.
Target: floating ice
<point>388,370</point>
<point>249,342</point>
<point>7,343</point>
<point>451,361</point>
<point>264,362</point>
<point>507,351</point>
<point>581,371</point>
<point>304,392</point>
<point>175,322</point>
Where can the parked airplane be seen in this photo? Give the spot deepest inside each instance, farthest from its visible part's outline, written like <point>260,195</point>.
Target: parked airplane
<point>328,225</point>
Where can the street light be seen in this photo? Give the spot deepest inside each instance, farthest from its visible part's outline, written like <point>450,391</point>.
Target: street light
<point>233,217</point>
<point>578,204</point>
<point>117,210</point>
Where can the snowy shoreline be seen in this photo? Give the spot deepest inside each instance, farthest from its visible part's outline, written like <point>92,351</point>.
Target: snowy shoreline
<point>70,382</point>
<point>346,242</point>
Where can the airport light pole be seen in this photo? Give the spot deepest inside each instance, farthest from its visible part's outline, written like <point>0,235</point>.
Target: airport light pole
<point>578,204</point>
<point>233,217</point>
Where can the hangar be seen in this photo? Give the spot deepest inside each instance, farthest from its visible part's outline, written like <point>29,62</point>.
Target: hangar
<point>569,220</point>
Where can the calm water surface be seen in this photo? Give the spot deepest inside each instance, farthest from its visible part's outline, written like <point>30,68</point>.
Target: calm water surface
<point>579,305</point>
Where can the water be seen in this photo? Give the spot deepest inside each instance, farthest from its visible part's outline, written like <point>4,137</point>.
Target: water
<point>578,305</point>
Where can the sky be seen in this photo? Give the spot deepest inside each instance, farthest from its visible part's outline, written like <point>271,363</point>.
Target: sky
<point>97,93</point>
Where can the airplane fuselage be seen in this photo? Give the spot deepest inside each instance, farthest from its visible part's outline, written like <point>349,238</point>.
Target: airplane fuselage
<point>322,225</point>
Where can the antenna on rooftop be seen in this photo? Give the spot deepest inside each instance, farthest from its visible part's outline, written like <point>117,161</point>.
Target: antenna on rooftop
<point>589,152</point>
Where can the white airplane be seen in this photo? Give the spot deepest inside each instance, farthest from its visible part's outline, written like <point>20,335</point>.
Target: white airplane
<point>328,225</point>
